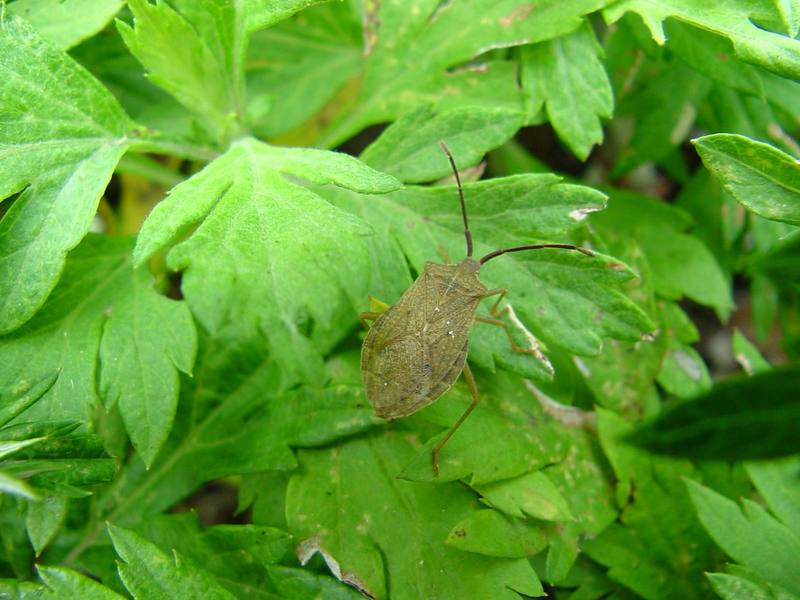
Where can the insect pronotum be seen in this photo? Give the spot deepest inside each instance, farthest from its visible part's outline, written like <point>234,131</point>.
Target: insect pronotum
<point>416,349</point>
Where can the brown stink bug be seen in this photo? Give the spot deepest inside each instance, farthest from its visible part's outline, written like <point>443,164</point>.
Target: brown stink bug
<point>416,349</point>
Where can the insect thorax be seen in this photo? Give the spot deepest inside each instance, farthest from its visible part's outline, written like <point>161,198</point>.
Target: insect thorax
<point>461,278</point>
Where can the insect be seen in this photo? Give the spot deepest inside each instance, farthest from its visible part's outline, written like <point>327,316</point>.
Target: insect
<point>416,349</point>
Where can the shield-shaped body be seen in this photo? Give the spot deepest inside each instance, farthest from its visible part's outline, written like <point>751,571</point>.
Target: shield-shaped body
<point>417,349</point>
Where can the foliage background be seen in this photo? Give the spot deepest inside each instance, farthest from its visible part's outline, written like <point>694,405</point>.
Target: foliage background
<point>183,258</point>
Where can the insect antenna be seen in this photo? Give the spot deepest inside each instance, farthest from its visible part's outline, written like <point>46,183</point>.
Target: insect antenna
<point>467,233</point>
<point>497,253</point>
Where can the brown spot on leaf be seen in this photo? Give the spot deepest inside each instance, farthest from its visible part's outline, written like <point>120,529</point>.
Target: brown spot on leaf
<point>518,14</point>
<point>370,24</point>
<point>460,533</point>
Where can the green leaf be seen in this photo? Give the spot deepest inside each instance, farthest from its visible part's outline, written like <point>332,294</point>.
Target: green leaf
<point>64,476</point>
<point>622,377</point>
<point>61,137</point>
<point>59,583</point>
<point>790,15</point>
<point>146,341</point>
<point>266,254</point>
<point>22,395</point>
<point>683,372</point>
<point>733,587</point>
<point>322,44</point>
<point>43,519</point>
<point>17,487</point>
<point>532,495</point>
<point>738,419</point>
<point>753,44</point>
<point>264,494</point>
<point>585,480</point>
<point>9,448</point>
<point>664,109</point>
<point>409,50</point>
<point>235,417</point>
<point>750,535</point>
<point>244,558</point>
<point>779,485</point>
<point>490,533</point>
<point>149,573</point>
<point>397,527</point>
<point>657,548</point>
<point>196,50</point>
<point>515,447</point>
<point>141,346</point>
<point>764,179</point>
<point>66,583</point>
<point>564,297</point>
<point>747,355</point>
<point>560,558</point>
<point>194,70</point>
<point>263,13</point>
<point>683,266</point>
<point>566,76</point>
<point>409,148</point>
<point>65,23</point>
<point>713,56</point>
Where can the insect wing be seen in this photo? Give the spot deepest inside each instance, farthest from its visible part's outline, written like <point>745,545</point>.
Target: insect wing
<point>415,351</point>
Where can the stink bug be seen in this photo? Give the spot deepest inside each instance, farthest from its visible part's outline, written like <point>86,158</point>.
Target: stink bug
<point>416,349</point>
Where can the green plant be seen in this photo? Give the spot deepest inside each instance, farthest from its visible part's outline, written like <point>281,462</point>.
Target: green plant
<point>183,257</point>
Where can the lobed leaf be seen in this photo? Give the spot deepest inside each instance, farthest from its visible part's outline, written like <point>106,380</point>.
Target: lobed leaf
<point>778,483</point>
<point>409,148</point>
<point>750,535</point>
<point>772,51</point>
<point>664,107</point>
<point>236,416</point>
<point>677,262</point>
<point>149,573</point>
<point>288,62</point>
<point>398,527</point>
<point>564,297</point>
<point>246,559</point>
<point>267,255</point>
<point>565,75</point>
<point>61,135</point>
<point>140,347</point>
<point>657,548</point>
<point>196,51</point>
<point>409,50</point>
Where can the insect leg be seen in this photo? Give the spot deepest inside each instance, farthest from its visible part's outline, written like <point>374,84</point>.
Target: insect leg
<point>368,316</point>
<point>498,323</point>
<point>500,293</point>
<point>473,389</point>
<point>377,309</point>
<point>534,350</point>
